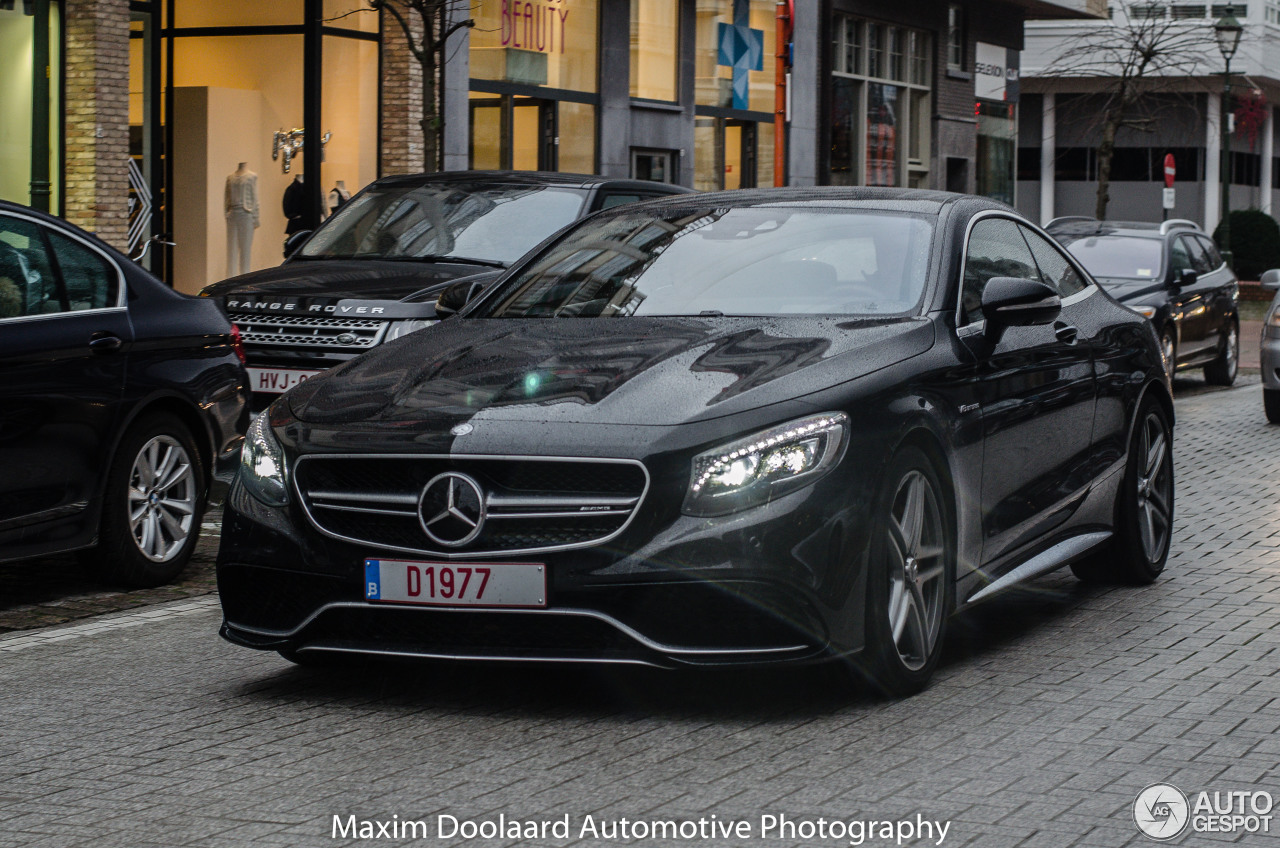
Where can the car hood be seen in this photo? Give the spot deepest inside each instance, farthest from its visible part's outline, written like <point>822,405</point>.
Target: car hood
<point>1129,291</point>
<point>336,279</point>
<point>654,371</point>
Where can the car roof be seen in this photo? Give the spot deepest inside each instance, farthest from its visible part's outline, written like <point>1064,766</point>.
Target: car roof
<point>533,178</point>
<point>887,199</point>
<point>1080,227</point>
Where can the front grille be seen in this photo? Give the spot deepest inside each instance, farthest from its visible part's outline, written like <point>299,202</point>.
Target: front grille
<point>532,504</point>
<point>309,331</point>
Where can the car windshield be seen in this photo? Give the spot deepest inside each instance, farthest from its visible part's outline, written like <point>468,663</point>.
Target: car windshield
<point>1121,257</point>
<point>458,220</point>
<point>763,260</point>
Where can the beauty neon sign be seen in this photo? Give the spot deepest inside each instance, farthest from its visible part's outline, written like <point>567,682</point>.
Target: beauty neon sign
<point>538,26</point>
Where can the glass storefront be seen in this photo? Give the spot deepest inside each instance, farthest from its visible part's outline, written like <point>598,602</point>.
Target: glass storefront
<point>734,94</point>
<point>31,66</point>
<point>237,97</point>
<point>534,85</point>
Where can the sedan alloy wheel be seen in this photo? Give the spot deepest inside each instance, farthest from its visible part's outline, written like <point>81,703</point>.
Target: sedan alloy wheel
<point>162,498</point>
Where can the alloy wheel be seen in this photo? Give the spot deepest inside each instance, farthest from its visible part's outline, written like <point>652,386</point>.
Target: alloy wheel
<point>1167,353</point>
<point>162,498</point>
<point>916,570</point>
<point>1155,488</point>
<point>1231,356</point>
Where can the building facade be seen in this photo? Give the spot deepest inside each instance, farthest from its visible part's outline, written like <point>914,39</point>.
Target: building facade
<point>1181,116</point>
<point>129,116</point>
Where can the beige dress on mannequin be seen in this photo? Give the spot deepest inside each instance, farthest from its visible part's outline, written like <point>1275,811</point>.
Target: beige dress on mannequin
<point>241,204</point>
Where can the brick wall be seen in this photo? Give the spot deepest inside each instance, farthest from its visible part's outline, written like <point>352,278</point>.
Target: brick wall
<point>96,185</point>
<point>401,102</point>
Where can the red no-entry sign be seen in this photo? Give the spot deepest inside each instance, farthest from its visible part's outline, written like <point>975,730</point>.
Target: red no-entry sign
<point>1170,170</point>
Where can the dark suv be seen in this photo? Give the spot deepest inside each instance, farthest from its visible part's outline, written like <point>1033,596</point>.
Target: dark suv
<point>373,271</point>
<point>1173,274</point>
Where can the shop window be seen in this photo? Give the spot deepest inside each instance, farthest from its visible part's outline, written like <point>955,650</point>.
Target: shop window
<point>1130,164</point>
<point>537,43</point>
<point>997,151</point>
<point>1246,168</point>
<point>727,154</point>
<point>18,99</point>
<point>1074,164</point>
<point>880,113</point>
<point>655,49</point>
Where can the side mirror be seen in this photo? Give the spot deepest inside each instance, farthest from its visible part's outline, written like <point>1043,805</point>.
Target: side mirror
<point>456,296</point>
<point>293,242</point>
<point>1017,302</point>
<point>1271,279</point>
<point>1185,278</point>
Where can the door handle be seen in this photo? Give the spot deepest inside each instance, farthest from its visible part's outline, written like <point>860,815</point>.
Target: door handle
<point>104,342</point>
<point>1065,332</point>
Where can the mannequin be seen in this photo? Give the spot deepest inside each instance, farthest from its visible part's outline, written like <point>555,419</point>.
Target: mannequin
<point>294,205</point>
<point>338,196</point>
<point>240,203</point>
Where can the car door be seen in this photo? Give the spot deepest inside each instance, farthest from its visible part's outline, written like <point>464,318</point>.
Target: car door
<point>64,337</point>
<point>1189,302</point>
<point>1036,394</point>
<point>1219,286</point>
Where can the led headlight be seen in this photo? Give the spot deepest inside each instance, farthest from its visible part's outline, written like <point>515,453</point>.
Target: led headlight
<point>767,465</point>
<point>262,470</point>
<point>404,328</point>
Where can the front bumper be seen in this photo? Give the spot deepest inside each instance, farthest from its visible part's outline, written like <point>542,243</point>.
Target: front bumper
<point>780,583</point>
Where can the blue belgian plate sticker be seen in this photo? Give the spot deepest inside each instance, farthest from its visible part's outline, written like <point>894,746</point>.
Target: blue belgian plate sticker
<point>372,580</point>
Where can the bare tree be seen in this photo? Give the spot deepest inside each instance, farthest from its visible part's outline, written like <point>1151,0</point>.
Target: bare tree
<point>426,26</point>
<point>1136,55</point>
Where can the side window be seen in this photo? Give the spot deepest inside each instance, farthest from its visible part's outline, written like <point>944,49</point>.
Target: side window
<point>92,283</point>
<point>612,200</point>
<point>1200,260</point>
<point>996,249</point>
<point>1211,250</point>
<point>1055,270</point>
<point>1180,258</point>
<point>28,285</point>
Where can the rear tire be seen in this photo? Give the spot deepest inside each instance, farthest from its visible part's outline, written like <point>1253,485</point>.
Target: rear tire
<point>1271,402</point>
<point>1222,371</point>
<point>910,577</point>
<point>153,505</point>
<point>1144,526</point>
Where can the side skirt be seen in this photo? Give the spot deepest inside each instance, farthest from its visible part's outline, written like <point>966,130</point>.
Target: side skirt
<point>1055,557</point>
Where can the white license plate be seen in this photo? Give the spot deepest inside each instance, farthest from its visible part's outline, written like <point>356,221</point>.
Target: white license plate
<point>449,584</point>
<point>276,379</point>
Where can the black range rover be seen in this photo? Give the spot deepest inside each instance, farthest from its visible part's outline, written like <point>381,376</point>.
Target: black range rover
<point>373,271</point>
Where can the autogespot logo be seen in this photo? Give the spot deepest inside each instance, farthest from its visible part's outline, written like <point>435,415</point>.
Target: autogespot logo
<point>1161,811</point>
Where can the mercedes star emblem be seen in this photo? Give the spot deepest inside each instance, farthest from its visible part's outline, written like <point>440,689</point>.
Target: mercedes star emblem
<point>452,509</point>
<point>461,429</point>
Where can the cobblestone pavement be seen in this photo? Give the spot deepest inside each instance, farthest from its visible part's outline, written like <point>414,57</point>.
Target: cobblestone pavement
<point>1054,707</point>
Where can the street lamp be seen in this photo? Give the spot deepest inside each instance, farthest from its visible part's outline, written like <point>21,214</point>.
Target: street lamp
<point>1227,32</point>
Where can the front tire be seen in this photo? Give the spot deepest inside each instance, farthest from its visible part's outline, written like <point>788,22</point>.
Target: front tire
<point>910,578</point>
<point>154,503</point>
<point>1222,371</point>
<point>1271,403</point>
<point>1144,527</point>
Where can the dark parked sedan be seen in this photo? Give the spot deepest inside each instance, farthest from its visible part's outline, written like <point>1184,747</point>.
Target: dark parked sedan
<point>373,271</point>
<point>752,427</point>
<point>1173,275</point>
<point>118,399</point>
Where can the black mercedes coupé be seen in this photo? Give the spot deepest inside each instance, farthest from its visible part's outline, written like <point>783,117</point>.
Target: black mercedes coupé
<point>758,427</point>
